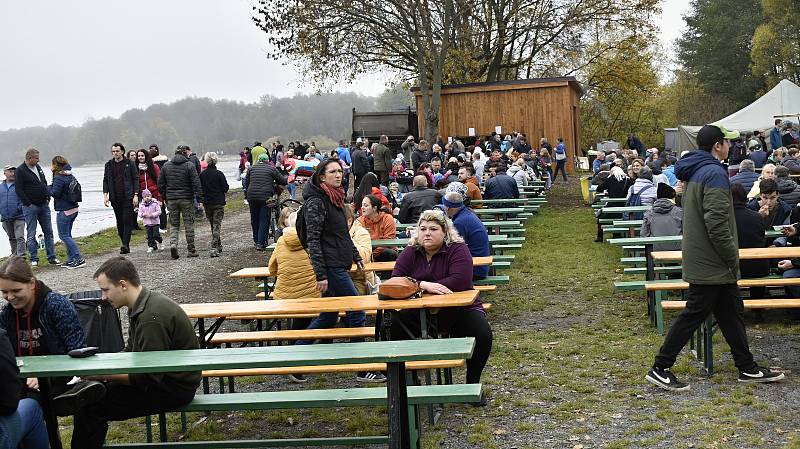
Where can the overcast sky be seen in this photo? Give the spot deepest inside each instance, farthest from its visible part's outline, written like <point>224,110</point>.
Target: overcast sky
<point>64,62</point>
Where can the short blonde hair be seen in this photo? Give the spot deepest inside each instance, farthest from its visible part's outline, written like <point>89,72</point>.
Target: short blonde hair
<point>438,216</point>
<point>211,158</point>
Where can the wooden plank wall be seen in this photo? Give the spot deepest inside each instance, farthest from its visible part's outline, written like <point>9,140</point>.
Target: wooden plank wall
<point>549,110</point>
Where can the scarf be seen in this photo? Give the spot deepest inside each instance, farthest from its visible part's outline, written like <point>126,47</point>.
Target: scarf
<point>335,194</point>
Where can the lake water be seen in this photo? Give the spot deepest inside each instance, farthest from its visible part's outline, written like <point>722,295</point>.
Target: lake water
<point>93,216</point>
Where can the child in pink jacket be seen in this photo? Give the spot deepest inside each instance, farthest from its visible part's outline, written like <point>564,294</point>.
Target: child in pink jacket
<point>149,212</point>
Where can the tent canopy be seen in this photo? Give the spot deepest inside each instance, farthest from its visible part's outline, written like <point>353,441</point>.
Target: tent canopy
<point>782,101</point>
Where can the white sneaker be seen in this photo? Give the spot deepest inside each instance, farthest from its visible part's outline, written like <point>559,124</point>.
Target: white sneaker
<point>35,263</point>
<point>150,249</point>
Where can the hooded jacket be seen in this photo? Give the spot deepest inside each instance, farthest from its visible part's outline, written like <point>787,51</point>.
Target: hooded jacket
<point>746,179</point>
<point>474,233</point>
<point>500,187</point>
<point>327,234</point>
<point>710,244</point>
<point>750,231</point>
<point>289,263</point>
<point>60,326</point>
<point>789,190</point>
<point>214,185</point>
<point>791,163</point>
<point>647,196</point>
<point>150,213</point>
<point>179,180</point>
<point>262,178</point>
<point>60,188</point>
<point>664,219</point>
<point>781,215</point>
<point>519,175</point>
<point>473,191</point>
<point>10,205</point>
<point>10,383</point>
<point>150,182</point>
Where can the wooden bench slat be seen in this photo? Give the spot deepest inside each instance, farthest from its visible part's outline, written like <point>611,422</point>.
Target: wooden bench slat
<point>781,303</point>
<point>758,282</point>
<point>241,444</point>
<point>349,368</point>
<point>486,306</point>
<point>301,334</point>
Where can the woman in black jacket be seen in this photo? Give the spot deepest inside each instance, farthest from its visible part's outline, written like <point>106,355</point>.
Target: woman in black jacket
<point>330,248</point>
<point>616,184</point>
<point>750,230</point>
<point>21,421</point>
<point>215,186</point>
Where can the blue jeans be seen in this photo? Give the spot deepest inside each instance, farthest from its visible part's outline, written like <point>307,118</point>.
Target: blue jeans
<point>40,214</point>
<point>64,224</point>
<point>259,220</point>
<point>292,188</point>
<point>792,291</point>
<point>339,284</point>
<point>24,428</point>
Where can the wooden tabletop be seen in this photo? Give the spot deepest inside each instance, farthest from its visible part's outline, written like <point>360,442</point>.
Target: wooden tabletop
<point>319,305</point>
<point>250,357</point>
<point>487,223</point>
<point>612,210</point>
<point>404,241</point>
<point>263,272</point>
<point>500,211</point>
<point>787,252</point>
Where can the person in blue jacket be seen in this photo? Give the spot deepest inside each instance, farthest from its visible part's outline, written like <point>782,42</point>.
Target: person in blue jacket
<point>11,212</point>
<point>62,191</point>
<point>775,138</point>
<point>500,185</point>
<point>468,224</point>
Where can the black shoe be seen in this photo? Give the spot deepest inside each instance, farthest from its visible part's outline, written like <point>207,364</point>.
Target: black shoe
<point>371,377</point>
<point>124,250</point>
<point>298,378</point>
<point>760,375</point>
<point>80,395</point>
<point>193,254</point>
<point>663,378</point>
<point>173,251</point>
<point>481,402</point>
<point>261,248</point>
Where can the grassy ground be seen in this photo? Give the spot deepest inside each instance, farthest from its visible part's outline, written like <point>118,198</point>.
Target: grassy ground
<point>567,368</point>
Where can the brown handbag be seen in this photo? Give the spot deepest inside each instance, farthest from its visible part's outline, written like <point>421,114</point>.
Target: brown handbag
<point>402,287</point>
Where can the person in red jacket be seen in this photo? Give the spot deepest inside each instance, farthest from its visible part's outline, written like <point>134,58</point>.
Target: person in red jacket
<point>149,172</point>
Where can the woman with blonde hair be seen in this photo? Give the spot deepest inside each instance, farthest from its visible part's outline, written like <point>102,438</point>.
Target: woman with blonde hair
<point>363,242</point>
<point>65,202</point>
<point>440,261</point>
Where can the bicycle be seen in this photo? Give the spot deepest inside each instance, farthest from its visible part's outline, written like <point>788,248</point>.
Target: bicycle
<point>275,213</point>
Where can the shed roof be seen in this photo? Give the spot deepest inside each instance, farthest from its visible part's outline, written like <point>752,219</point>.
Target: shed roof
<point>532,83</point>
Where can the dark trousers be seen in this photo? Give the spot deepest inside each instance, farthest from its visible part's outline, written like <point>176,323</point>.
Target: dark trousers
<point>386,255</point>
<point>120,403</point>
<point>339,284</point>
<point>560,166</point>
<point>123,213</point>
<point>357,180</point>
<point>153,235</point>
<point>259,220</point>
<point>457,322</point>
<point>383,177</point>
<point>725,302</point>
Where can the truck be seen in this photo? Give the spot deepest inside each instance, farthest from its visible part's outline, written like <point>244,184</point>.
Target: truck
<point>396,125</point>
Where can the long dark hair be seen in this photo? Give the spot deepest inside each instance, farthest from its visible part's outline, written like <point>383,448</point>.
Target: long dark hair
<point>151,169</point>
<point>365,188</point>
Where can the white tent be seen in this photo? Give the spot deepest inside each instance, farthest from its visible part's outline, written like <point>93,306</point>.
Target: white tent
<point>782,101</point>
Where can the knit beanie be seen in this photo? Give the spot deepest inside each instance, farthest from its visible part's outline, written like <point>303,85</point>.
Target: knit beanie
<point>454,195</point>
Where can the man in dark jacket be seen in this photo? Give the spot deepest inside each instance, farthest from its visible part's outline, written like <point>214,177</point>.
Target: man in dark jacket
<point>179,184</point>
<point>420,154</point>
<point>747,175</point>
<point>121,190</point>
<point>215,186</point>
<point>770,206</point>
<point>750,230</point>
<point>32,193</point>
<point>360,165</point>
<point>261,183</point>
<point>11,213</point>
<point>787,187</point>
<point>469,226</point>
<point>418,200</point>
<point>757,155</point>
<point>710,262</point>
<point>198,209</point>
<point>500,185</point>
<point>791,162</point>
<point>383,160</point>
<point>157,323</point>
<point>775,140</point>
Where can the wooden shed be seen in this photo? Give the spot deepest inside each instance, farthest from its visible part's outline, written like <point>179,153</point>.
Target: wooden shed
<point>543,107</point>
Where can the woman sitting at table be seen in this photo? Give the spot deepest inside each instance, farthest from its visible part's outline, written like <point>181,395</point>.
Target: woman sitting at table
<point>439,260</point>
<point>380,226</point>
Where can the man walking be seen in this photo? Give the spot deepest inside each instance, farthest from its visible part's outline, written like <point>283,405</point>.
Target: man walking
<point>710,262</point>
<point>383,160</point>
<point>31,187</point>
<point>11,213</point>
<point>121,190</point>
<point>157,323</point>
<point>179,184</point>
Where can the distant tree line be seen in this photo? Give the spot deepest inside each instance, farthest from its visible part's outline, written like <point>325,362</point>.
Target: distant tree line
<point>202,123</point>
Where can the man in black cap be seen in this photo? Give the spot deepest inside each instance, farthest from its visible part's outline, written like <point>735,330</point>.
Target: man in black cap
<point>710,262</point>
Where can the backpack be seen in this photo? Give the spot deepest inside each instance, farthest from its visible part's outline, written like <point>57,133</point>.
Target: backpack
<point>74,193</point>
<point>635,200</point>
<point>300,226</point>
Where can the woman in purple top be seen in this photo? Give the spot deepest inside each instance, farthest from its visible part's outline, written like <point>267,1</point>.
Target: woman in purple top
<point>440,261</point>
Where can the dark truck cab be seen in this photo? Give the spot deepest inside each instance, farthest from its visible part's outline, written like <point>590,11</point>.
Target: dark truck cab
<point>396,125</point>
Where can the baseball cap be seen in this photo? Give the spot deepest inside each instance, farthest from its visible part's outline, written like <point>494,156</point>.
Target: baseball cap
<point>711,134</point>
<point>9,167</point>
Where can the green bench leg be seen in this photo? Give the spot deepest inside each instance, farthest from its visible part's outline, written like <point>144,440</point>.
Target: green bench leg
<point>148,427</point>
<point>708,351</point>
<point>162,426</point>
<point>659,312</point>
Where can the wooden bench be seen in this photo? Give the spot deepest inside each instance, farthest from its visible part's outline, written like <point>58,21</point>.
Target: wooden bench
<point>403,401</point>
<point>703,344</point>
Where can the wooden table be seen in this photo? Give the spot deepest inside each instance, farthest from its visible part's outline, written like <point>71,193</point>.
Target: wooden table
<point>404,241</point>
<point>492,226</point>
<point>394,353</point>
<point>499,213</point>
<point>786,252</point>
<point>291,307</point>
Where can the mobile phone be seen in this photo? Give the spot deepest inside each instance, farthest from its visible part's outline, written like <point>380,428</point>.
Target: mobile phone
<point>84,352</point>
